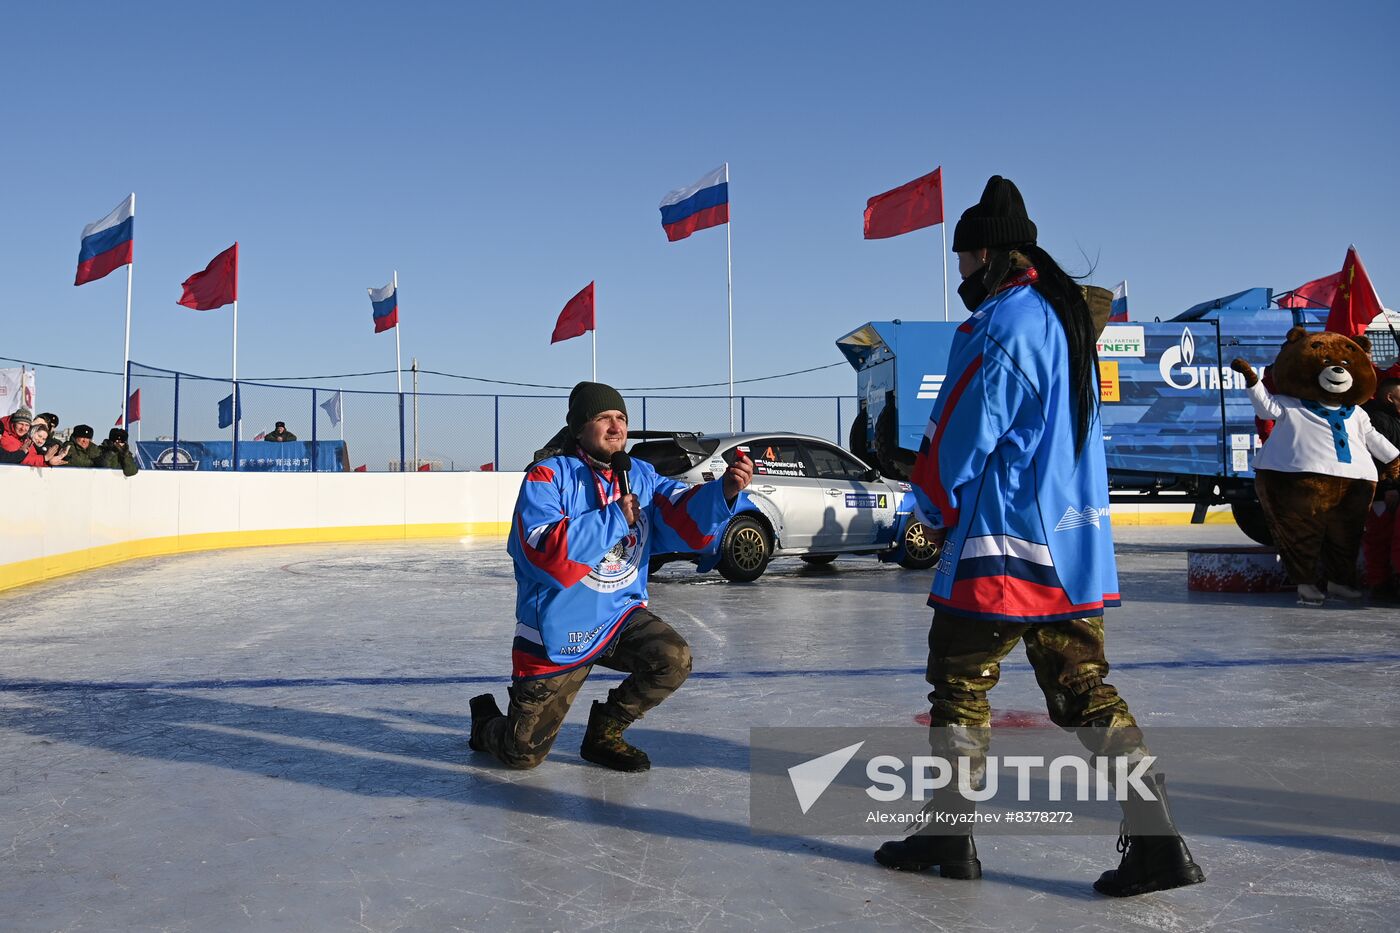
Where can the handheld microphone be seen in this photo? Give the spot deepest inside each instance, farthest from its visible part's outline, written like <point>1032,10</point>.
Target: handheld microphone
<point>622,467</point>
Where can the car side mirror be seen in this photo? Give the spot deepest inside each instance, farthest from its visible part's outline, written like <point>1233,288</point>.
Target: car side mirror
<point>871,475</point>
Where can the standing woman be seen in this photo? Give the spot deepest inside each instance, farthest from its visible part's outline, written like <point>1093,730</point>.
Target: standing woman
<point>1012,467</point>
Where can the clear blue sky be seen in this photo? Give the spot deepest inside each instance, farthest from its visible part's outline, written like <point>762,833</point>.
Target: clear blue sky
<point>500,156</point>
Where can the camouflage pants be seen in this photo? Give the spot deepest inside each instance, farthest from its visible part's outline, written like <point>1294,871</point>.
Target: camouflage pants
<point>655,658</point>
<point>964,662</point>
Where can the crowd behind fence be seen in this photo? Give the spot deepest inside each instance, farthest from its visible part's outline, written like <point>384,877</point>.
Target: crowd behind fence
<point>341,429</point>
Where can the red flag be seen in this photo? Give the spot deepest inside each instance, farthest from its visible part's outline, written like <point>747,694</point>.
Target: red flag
<point>577,317</point>
<point>361,469</point>
<point>909,207</point>
<point>258,437</point>
<point>487,468</point>
<point>133,407</point>
<point>1315,294</point>
<point>1356,303</point>
<point>425,468</point>
<point>216,286</point>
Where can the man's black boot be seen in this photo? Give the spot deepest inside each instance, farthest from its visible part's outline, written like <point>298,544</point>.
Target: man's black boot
<point>604,745</point>
<point>947,845</point>
<point>484,709</point>
<point>1155,857</point>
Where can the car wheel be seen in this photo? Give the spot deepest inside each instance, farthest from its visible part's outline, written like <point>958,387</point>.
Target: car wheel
<point>1249,516</point>
<point>744,550</point>
<point>920,550</point>
<point>818,560</point>
<point>893,460</point>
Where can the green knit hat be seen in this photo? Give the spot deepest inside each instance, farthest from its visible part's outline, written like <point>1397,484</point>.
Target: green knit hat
<point>590,399</point>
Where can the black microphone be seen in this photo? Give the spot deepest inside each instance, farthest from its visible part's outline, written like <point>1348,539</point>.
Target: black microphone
<point>622,467</point>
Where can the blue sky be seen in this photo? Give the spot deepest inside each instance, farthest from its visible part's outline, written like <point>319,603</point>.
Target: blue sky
<point>500,156</point>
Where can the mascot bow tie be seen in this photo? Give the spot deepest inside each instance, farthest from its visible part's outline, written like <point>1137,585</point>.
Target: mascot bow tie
<point>1336,419</point>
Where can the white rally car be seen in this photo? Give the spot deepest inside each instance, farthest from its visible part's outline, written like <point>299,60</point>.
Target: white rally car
<point>808,499</point>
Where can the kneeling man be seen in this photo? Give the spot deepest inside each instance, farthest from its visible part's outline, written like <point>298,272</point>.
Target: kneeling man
<point>581,539</point>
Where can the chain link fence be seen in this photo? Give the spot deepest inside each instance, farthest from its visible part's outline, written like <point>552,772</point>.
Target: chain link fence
<point>187,423</point>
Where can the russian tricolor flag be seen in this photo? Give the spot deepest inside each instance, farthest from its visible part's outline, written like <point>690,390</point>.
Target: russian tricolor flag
<point>695,207</point>
<point>107,244</point>
<point>1120,302</point>
<point>386,307</point>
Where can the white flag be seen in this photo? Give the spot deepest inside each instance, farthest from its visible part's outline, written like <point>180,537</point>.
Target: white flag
<point>331,406</point>
<point>16,390</point>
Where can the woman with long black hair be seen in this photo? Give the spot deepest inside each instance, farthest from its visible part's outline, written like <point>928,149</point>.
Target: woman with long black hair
<point>1012,470</point>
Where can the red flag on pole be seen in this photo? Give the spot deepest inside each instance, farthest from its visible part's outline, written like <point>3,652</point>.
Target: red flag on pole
<point>577,317</point>
<point>1356,303</point>
<point>487,468</point>
<point>133,407</point>
<point>362,468</point>
<point>425,468</point>
<point>1315,294</point>
<point>216,286</point>
<point>909,207</point>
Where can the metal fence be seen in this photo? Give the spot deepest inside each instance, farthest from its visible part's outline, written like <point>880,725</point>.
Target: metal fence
<point>180,424</point>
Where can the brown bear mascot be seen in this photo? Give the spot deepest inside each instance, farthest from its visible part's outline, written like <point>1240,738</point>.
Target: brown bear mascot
<point>1315,475</point>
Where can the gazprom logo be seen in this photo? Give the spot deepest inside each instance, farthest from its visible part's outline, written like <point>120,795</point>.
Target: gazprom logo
<point>1177,369</point>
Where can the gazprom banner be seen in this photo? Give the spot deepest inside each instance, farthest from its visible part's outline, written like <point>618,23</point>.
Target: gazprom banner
<point>253,456</point>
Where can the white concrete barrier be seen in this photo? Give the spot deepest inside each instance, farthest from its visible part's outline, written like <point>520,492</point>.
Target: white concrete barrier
<point>60,521</point>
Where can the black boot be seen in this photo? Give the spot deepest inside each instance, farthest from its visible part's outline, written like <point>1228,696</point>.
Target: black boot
<point>604,745</point>
<point>954,854</point>
<point>484,709</point>
<point>1155,857</point>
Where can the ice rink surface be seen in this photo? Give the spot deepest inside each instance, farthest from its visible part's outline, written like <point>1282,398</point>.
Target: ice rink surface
<point>275,739</point>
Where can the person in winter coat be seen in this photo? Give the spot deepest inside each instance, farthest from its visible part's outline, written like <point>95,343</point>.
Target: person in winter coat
<point>16,446</point>
<point>81,451</point>
<point>581,543</point>
<point>1012,470</point>
<point>280,434</point>
<point>114,454</point>
<point>50,451</point>
<point>1380,541</point>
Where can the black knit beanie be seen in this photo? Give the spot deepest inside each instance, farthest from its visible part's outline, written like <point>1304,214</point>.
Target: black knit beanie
<point>588,400</point>
<point>998,220</point>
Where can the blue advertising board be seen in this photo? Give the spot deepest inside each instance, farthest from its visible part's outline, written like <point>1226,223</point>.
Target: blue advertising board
<point>253,456</point>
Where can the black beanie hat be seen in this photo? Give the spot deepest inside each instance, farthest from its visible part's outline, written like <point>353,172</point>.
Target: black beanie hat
<point>588,400</point>
<point>82,430</point>
<point>999,219</point>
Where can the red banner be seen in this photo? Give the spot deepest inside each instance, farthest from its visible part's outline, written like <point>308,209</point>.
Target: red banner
<point>909,207</point>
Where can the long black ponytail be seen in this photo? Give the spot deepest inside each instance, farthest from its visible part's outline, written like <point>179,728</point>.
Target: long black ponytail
<point>1065,296</point>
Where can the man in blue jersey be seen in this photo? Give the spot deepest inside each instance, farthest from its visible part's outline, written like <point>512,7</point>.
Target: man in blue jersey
<point>581,543</point>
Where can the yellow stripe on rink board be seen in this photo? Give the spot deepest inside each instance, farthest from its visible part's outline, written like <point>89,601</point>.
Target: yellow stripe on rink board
<point>58,565</point>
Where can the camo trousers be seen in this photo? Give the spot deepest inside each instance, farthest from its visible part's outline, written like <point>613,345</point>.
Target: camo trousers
<point>964,662</point>
<point>654,656</point>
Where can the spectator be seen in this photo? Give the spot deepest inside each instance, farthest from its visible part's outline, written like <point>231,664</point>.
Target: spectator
<point>280,434</point>
<point>1380,542</point>
<point>16,446</point>
<point>50,452</point>
<point>49,418</point>
<point>81,451</point>
<point>114,454</point>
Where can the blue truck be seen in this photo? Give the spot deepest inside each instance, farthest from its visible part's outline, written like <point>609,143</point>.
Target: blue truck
<point>1176,419</point>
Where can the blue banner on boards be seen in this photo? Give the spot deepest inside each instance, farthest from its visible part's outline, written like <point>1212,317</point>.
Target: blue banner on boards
<point>253,456</point>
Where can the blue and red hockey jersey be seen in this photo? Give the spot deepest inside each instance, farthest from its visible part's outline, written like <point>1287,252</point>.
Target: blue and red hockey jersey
<point>579,569</point>
<point>1029,535</point>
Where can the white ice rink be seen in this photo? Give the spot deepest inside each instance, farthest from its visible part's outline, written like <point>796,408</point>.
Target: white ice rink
<point>275,739</point>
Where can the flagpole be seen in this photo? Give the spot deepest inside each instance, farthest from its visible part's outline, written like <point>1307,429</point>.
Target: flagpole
<point>237,422</point>
<point>593,332</point>
<point>943,226</point>
<point>398,360</point>
<point>126,351</point>
<point>729,284</point>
